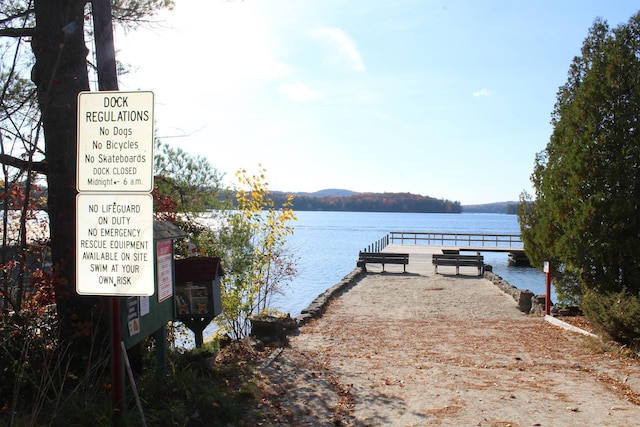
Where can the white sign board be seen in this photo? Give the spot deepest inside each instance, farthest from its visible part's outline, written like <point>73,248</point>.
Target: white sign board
<point>164,251</point>
<point>115,142</point>
<point>114,245</point>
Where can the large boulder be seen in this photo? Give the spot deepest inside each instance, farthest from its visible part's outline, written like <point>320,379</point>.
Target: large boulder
<point>523,299</point>
<point>539,305</point>
<point>272,328</point>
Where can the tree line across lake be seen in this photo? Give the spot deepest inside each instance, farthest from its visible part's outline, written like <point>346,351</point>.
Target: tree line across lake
<point>368,202</point>
<point>344,200</point>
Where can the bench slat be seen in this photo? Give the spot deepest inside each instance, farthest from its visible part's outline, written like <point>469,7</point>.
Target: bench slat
<point>373,260</point>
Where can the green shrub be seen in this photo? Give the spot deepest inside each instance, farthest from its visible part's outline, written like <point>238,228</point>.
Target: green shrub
<point>41,383</point>
<point>39,387</point>
<point>195,394</point>
<point>568,289</point>
<point>617,314</point>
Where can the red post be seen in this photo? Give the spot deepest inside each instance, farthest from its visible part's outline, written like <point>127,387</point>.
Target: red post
<point>117,386</point>
<point>547,303</point>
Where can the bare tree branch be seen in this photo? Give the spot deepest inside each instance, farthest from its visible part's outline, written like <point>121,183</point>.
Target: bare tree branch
<point>10,15</point>
<point>23,165</point>
<point>17,32</point>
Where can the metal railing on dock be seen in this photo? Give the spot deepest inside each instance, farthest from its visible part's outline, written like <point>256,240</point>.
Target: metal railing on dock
<point>506,241</point>
<point>510,243</point>
<point>378,245</point>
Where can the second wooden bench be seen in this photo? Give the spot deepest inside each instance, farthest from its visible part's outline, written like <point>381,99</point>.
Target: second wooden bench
<point>457,261</point>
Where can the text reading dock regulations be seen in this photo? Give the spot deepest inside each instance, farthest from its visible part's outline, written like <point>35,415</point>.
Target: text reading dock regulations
<point>114,209</point>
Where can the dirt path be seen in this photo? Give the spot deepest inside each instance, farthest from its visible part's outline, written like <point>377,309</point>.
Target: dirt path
<point>425,349</point>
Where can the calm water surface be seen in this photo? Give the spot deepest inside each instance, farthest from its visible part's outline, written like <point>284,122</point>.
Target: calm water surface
<point>327,244</point>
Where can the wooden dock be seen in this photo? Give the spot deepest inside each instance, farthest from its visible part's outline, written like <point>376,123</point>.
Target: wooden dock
<point>443,242</point>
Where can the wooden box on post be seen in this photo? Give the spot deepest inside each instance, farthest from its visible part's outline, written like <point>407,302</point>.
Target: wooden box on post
<point>198,299</point>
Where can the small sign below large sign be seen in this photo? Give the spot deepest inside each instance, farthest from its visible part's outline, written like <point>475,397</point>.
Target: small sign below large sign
<point>164,255</point>
<point>115,142</point>
<point>114,245</point>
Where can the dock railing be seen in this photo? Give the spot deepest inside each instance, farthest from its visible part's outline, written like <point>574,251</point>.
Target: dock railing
<point>513,241</point>
<point>378,245</point>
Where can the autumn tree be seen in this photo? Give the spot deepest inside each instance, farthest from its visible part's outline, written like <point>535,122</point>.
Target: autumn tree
<point>585,216</point>
<point>257,264</point>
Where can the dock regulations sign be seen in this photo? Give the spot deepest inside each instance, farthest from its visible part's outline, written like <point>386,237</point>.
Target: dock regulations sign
<point>114,206</point>
<point>115,141</point>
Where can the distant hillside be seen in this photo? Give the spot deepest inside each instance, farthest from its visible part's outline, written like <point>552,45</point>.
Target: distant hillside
<point>499,207</point>
<point>329,192</point>
<point>366,202</point>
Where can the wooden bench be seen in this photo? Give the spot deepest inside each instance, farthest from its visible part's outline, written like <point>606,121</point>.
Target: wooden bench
<point>457,261</point>
<point>451,251</point>
<point>383,258</point>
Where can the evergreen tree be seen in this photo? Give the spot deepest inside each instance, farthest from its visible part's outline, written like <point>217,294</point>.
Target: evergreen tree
<point>585,217</point>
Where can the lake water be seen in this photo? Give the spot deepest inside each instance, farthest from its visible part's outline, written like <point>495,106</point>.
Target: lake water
<point>327,245</point>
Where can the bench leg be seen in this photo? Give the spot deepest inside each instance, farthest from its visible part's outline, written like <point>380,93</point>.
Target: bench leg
<point>457,270</point>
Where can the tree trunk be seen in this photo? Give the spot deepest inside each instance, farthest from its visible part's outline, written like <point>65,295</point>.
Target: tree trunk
<point>60,73</point>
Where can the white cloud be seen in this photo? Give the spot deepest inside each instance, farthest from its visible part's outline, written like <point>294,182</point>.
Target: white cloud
<point>298,91</point>
<point>341,49</point>
<point>482,92</point>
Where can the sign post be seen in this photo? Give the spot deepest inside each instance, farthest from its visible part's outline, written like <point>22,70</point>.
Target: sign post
<point>114,214</point>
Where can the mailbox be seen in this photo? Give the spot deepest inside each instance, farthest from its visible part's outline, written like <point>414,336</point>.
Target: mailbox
<point>197,292</point>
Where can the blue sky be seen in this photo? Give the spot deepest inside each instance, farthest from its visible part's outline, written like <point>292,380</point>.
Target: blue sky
<point>448,99</point>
